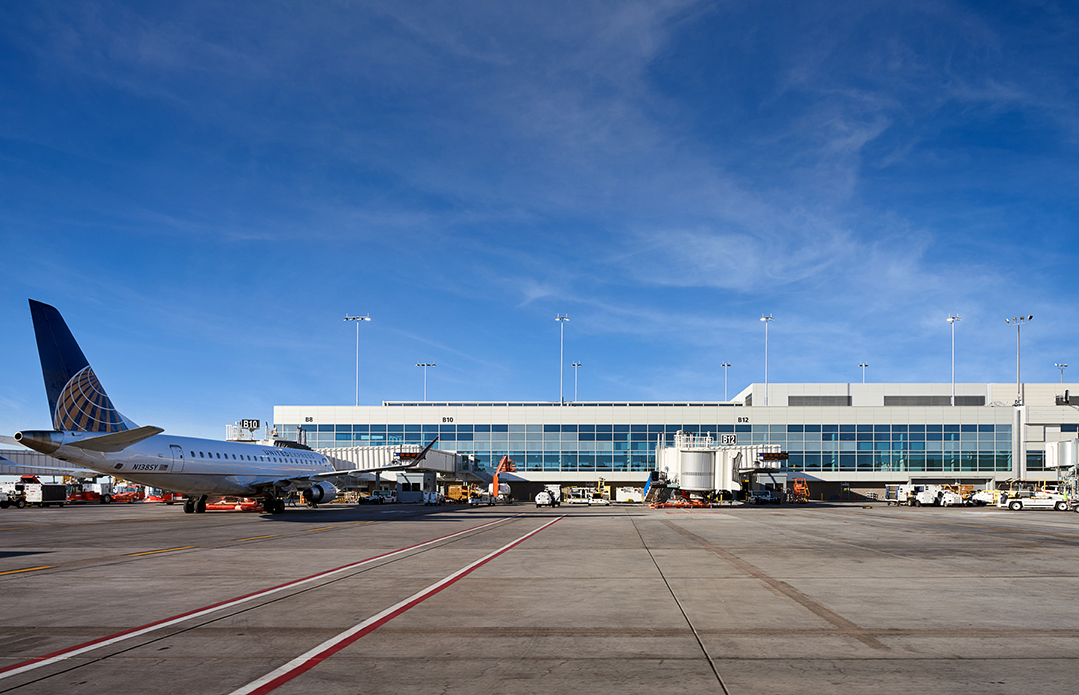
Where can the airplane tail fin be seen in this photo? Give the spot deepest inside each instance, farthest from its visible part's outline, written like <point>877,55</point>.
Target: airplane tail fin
<point>77,400</point>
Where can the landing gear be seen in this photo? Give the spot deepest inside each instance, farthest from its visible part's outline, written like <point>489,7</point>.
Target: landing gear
<point>273,505</point>
<point>189,505</point>
<point>200,505</point>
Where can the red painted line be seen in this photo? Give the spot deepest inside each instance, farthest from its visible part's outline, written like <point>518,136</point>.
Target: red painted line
<point>46,659</point>
<point>305,662</point>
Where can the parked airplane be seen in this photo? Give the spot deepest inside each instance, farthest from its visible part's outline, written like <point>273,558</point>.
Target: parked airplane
<point>90,432</point>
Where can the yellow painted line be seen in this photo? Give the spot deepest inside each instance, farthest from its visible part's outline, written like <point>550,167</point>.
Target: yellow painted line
<point>28,569</point>
<point>324,528</point>
<point>254,538</point>
<point>166,550</point>
<point>952,523</point>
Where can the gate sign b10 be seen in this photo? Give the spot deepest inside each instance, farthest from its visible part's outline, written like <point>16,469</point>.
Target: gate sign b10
<point>249,424</point>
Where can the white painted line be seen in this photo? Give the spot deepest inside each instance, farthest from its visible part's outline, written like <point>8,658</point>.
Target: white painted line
<point>54,657</point>
<point>313,657</point>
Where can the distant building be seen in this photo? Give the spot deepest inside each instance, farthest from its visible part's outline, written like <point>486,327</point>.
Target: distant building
<point>866,435</point>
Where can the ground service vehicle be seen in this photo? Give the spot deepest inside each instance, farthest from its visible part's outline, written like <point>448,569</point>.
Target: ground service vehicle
<point>482,498</point>
<point>1039,499</point>
<point>580,495</point>
<point>87,491</point>
<point>156,495</point>
<point>544,499</point>
<point>799,493</point>
<point>764,497</point>
<point>937,496</point>
<point>129,494</point>
<point>31,491</point>
<point>384,496</point>
<point>238,504</point>
<point>4,501</point>
<point>462,494</point>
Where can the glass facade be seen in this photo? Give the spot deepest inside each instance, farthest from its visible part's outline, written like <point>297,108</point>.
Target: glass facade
<point>914,448</point>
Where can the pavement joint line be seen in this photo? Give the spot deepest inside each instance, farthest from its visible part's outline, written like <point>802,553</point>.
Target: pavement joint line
<point>63,654</point>
<point>166,550</point>
<point>255,538</point>
<point>313,657</point>
<point>681,609</point>
<point>27,569</point>
<point>323,528</point>
<point>952,523</point>
<point>845,626</point>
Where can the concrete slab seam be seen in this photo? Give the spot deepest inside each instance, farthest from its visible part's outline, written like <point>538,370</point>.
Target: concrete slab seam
<point>785,589</point>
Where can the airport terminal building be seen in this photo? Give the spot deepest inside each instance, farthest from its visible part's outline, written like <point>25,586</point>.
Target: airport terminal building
<point>860,435</point>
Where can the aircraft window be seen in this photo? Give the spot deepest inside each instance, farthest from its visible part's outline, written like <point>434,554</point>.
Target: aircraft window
<point>200,455</point>
<point>219,456</point>
<point>192,454</point>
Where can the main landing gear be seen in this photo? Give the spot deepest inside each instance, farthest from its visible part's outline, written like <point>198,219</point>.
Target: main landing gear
<point>195,505</point>
<point>273,505</point>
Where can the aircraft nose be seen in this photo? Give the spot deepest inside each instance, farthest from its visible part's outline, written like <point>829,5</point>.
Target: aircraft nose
<point>44,441</point>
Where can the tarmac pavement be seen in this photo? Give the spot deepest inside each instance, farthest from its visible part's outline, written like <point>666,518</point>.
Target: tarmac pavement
<point>513,599</point>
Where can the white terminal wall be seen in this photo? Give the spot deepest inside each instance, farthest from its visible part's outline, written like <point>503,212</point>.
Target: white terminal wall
<point>1039,419</point>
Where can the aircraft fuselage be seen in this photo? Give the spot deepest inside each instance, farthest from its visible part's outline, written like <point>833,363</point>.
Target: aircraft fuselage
<point>186,464</point>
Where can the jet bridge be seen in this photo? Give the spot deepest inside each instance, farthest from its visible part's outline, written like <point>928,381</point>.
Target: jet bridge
<point>352,457</point>
<point>702,465</point>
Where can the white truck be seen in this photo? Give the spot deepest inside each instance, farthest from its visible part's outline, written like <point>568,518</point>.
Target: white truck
<point>1038,499</point>
<point>938,496</point>
<point>31,491</point>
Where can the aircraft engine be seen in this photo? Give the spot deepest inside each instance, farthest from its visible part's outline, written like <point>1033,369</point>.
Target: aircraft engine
<point>322,492</point>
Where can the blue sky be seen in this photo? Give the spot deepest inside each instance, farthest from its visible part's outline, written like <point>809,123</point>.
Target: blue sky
<point>205,190</point>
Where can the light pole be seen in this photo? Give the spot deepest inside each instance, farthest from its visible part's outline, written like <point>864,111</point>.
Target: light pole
<point>357,319</point>
<point>561,344</point>
<point>1061,366</point>
<point>952,320</point>
<point>1018,323</point>
<point>767,319</point>
<point>575,366</point>
<point>725,365</point>
<point>863,366</point>
<point>425,365</point>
